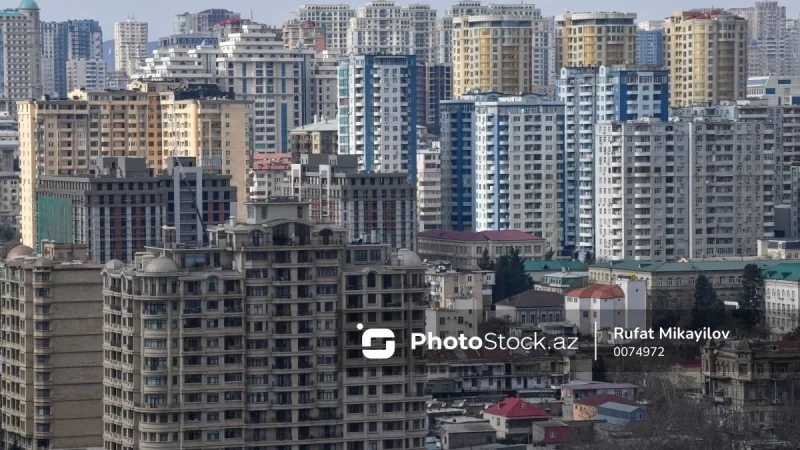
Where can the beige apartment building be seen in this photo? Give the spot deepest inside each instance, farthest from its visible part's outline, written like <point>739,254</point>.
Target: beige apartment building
<point>255,340</point>
<point>322,136</point>
<point>492,53</point>
<point>595,39</point>
<point>67,136</point>
<point>52,329</point>
<point>706,54</point>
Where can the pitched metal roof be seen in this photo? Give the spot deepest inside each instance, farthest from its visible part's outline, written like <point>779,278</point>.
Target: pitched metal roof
<point>489,235</point>
<point>689,266</point>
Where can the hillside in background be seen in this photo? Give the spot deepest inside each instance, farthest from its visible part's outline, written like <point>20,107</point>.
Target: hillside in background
<point>108,52</point>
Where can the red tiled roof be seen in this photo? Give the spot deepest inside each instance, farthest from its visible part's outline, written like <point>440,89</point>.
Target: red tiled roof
<point>534,299</point>
<point>272,161</point>
<point>598,291</point>
<point>490,235</point>
<point>515,408</point>
<point>599,399</point>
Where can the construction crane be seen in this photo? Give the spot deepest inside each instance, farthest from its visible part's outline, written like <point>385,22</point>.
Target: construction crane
<point>191,191</point>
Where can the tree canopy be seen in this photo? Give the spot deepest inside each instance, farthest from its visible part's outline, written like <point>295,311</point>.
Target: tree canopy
<point>751,299</point>
<point>486,262</point>
<point>510,277</point>
<point>708,310</point>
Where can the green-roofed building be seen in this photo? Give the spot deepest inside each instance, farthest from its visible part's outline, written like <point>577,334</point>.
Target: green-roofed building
<point>678,278</point>
<point>537,269</point>
<point>781,294</point>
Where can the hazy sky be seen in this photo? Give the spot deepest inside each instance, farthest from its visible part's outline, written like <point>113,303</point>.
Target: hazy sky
<point>159,13</point>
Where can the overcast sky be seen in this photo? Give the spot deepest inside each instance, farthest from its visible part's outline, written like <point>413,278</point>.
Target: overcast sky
<point>159,13</point>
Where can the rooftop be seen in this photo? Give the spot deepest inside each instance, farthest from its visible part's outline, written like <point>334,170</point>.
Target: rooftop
<point>783,272</point>
<point>470,427</point>
<point>470,236</point>
<point>538,266</point>
<point>551,424</point>
<point>600,399</point>
<point>534,299</point>
<point>327,125</point>
<point>618,406</point>
<point>598,291</point>
<point>515,408</point>
<point>688,266</point>
<point>592,385</point>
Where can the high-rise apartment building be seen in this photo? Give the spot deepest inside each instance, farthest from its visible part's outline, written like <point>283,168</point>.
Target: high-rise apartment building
<point>179,61</point>
<point>643,200</point>
<point>52,348</point>
<point>130,46</point>
<point>766,38</point>
<point>343,195</point>
<point>9,170</point>
<point>65,41</point>
<point>378,112</point>
<point>791,46</point>
<point>598,95</point>
<point>254,64</point>
<point>650,43</point>
<point>436,81</point>
<point>457,148</point>
<point>325,86</point>
<point>299,34</point>
<point>429,189</point>
<point>722,75</point>
<point>22,50</point>
<point>89,74</point>
<point>383,28</point>
<point>334,18</point>
<point>277,340</point>
<point>492,54</point>
<point>203,22</point>
<point>595,39</point>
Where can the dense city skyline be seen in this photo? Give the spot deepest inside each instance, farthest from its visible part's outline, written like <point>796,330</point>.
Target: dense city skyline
<point>160,19</point>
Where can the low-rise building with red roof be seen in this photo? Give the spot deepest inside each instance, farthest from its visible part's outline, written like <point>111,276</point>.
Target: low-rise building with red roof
<point>463,249</point>
<point>604,307</point>
<point>512,418</point>
<point>268,172</point>
<point>586,408</point>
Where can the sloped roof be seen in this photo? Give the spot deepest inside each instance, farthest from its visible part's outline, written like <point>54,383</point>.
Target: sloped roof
<point>617,406</point>
<point>690,266</point>
<point>784,272</point>
<point>598,291</point>
<point>469,236</point>
<point>534,299</point>
<point>600,399</point>
<point>593,385</point>
<point>515,408</point>
<point>536,266</point>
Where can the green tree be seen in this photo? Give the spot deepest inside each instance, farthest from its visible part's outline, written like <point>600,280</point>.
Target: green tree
<point>510,277</point>
<point>794,335</point>
<point>549,255</point>
<point>752,296</point>
<point>15,446</point>
<point>588,258</point>
<point>485,263</point>
<point>708,310</point>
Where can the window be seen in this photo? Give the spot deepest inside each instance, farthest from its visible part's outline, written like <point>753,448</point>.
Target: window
<point>639,416</point>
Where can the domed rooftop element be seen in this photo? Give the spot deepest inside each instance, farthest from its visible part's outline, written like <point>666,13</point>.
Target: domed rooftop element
<point>162,264</point>
<point>20,250</point>
<point>28,4</point>
<point>114,264</point>
<point>43,263</point>
<point>406,257</point>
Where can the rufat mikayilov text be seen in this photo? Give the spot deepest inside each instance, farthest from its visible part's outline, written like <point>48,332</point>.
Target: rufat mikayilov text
<point>673,333</point>
<point>492,341</point>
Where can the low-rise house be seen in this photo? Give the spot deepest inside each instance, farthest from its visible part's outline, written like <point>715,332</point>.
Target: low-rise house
<point>531,307</point>
<point>576,390</point>
<point>538,269</point>
<point>614,412</point>
<point>549,432</point>
<point>460,435</point>
<point>512,418</point>
<point>586,408</point>
<point>463,249</point>
<point>607,306</point>
<point>562,282</point>
<point>459,316</point>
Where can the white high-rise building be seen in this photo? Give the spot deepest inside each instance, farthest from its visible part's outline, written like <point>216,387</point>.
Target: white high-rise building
<point>791,47</point>
<point>382,27</point>
<point>20,65</point>
<point>255,65</point>
<point>89,74</point>
<point>766,35</point>
<point>334,18</point>
<point>130,46</point>
<point>429,188</point>
<point>642,176</point>
<point>378,112</point>
<point>50,34</point>
<point>596,96</point>
<point>194,65</point>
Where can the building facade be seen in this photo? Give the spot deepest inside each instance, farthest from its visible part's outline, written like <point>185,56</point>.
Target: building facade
<point>203,22</point>
<point>650,43</point>
<point>319,386</point>
<point>378,112</point>
<point>705,80</point>
<point>89,74</point>
<point>130,46</point>
<point>595,39</point>
<point>22,50</point>
<point>53,344</point>
<point>463,249</point>
<point>429,189</point>
<point>381,27</point>
<point>334,18</point>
